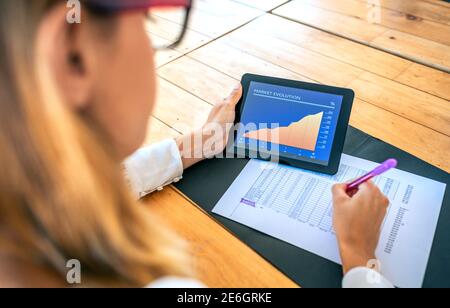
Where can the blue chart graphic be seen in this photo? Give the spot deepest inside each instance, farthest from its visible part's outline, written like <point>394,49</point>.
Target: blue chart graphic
<point>305,121</point>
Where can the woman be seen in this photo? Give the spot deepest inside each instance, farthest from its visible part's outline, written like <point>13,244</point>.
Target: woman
<point>75,101</point>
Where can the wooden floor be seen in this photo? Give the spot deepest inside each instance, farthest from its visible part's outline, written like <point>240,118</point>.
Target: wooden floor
<point>395,54</point>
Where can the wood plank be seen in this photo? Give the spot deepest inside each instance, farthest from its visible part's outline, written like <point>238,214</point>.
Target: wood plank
<point>158,131</point>
<point>405,101</point>
<point>415,48</point>
<point>358,55</point>
<point>214,18</point>
<point>205,77</point>
<point>438,2</point>
<point>165,31</point>
<point>163,57</point>
<point>264,5</point>
<point>181,72</point>
<point>369,59</point>
<point>422,142</point>
<point>220,259</point>
<point>237,62</point>
<point>387,18</point>
<point>415,105</point>
<point>333,22</point>
<point>180,109</point>
<point>420,9</point>
<point>427,79</point>
<point>425,143</point>
<point>292,57</point>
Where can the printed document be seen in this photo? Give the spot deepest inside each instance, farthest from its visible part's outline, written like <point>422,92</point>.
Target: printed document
<point>295,206</point>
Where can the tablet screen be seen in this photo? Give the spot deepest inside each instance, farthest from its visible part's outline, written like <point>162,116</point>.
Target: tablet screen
<point>299,123</point>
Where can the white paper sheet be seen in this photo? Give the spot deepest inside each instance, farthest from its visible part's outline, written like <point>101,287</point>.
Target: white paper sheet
<point>295,206</point>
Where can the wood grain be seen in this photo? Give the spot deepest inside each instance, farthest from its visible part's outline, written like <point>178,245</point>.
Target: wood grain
<point>425,143</point>
<point>405,101</point>
<point>415,48</point>
<point>422,9</point>
<point>221,260</point>
<point>209,19</point>
<point>179,109</point>
<point>426,79</point>
<point>215,18</point>
<point>211,87</point>
<point>265,5</point>
<point>390,19</point>
<point>238,62</point>
<point>395,32</point>
<point>167,31</point>
<point>369,59</point>
<point>158,131</point>
<point>438,3</point>
<point>334,22</point>
<point>293,57</point>
<point>415,105</point>
<point>399,101</point>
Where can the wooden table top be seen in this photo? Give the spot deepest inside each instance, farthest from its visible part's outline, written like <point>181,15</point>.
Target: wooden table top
<point>395,54</point>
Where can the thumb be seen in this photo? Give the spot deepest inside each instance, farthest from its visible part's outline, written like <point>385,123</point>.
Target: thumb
<point>234,96</point>
<point>339,192</point>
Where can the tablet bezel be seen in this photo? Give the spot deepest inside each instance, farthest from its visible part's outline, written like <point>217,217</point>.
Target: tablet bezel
<point>341,128</point>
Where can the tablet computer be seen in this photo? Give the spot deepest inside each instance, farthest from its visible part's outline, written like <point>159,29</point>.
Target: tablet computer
<point>296,123</point>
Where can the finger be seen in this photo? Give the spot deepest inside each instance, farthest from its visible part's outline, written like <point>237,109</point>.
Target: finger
<point>369,185</point>
<point>367,188</point>
<point>235,96</point>
<point>384,201</point>
<point>339,192</point>
<point>366,191</point>
<point>375,192</point>
<point>351,180</point>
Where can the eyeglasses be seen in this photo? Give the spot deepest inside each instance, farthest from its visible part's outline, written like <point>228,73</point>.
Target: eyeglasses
<point>167,20</point>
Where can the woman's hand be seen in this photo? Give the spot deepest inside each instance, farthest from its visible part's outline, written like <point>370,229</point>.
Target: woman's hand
<point>357,222</point>
<point>212,138</point>
<point>220,121</point>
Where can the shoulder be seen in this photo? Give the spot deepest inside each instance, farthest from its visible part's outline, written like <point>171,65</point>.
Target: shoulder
<point>18,274</point>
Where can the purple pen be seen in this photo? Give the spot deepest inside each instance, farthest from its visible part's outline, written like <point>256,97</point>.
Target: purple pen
<point>387,165</point>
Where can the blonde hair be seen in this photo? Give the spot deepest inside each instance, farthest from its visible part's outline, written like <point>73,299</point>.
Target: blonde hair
<point>62,193</point>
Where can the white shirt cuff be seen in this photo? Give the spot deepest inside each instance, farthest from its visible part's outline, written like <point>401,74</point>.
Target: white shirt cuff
<point>362,277</point>
<point>153,167</point>
<point>176,283</point>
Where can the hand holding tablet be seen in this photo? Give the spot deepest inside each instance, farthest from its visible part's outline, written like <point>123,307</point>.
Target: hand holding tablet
<point>300,124</point>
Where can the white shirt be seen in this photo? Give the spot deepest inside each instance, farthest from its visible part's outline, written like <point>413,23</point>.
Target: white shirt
<point>153,167</point>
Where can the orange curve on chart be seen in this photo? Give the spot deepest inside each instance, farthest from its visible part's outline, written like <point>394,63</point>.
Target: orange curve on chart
<point>302,134</point>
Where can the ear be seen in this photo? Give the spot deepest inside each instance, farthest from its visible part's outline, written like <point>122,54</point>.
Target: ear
<point>59,45</point>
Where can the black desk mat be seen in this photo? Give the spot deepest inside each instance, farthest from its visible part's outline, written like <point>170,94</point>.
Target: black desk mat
<point>206,183</point>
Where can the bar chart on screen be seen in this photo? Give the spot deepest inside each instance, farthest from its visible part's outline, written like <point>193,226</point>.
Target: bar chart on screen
<point>302,134</point>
